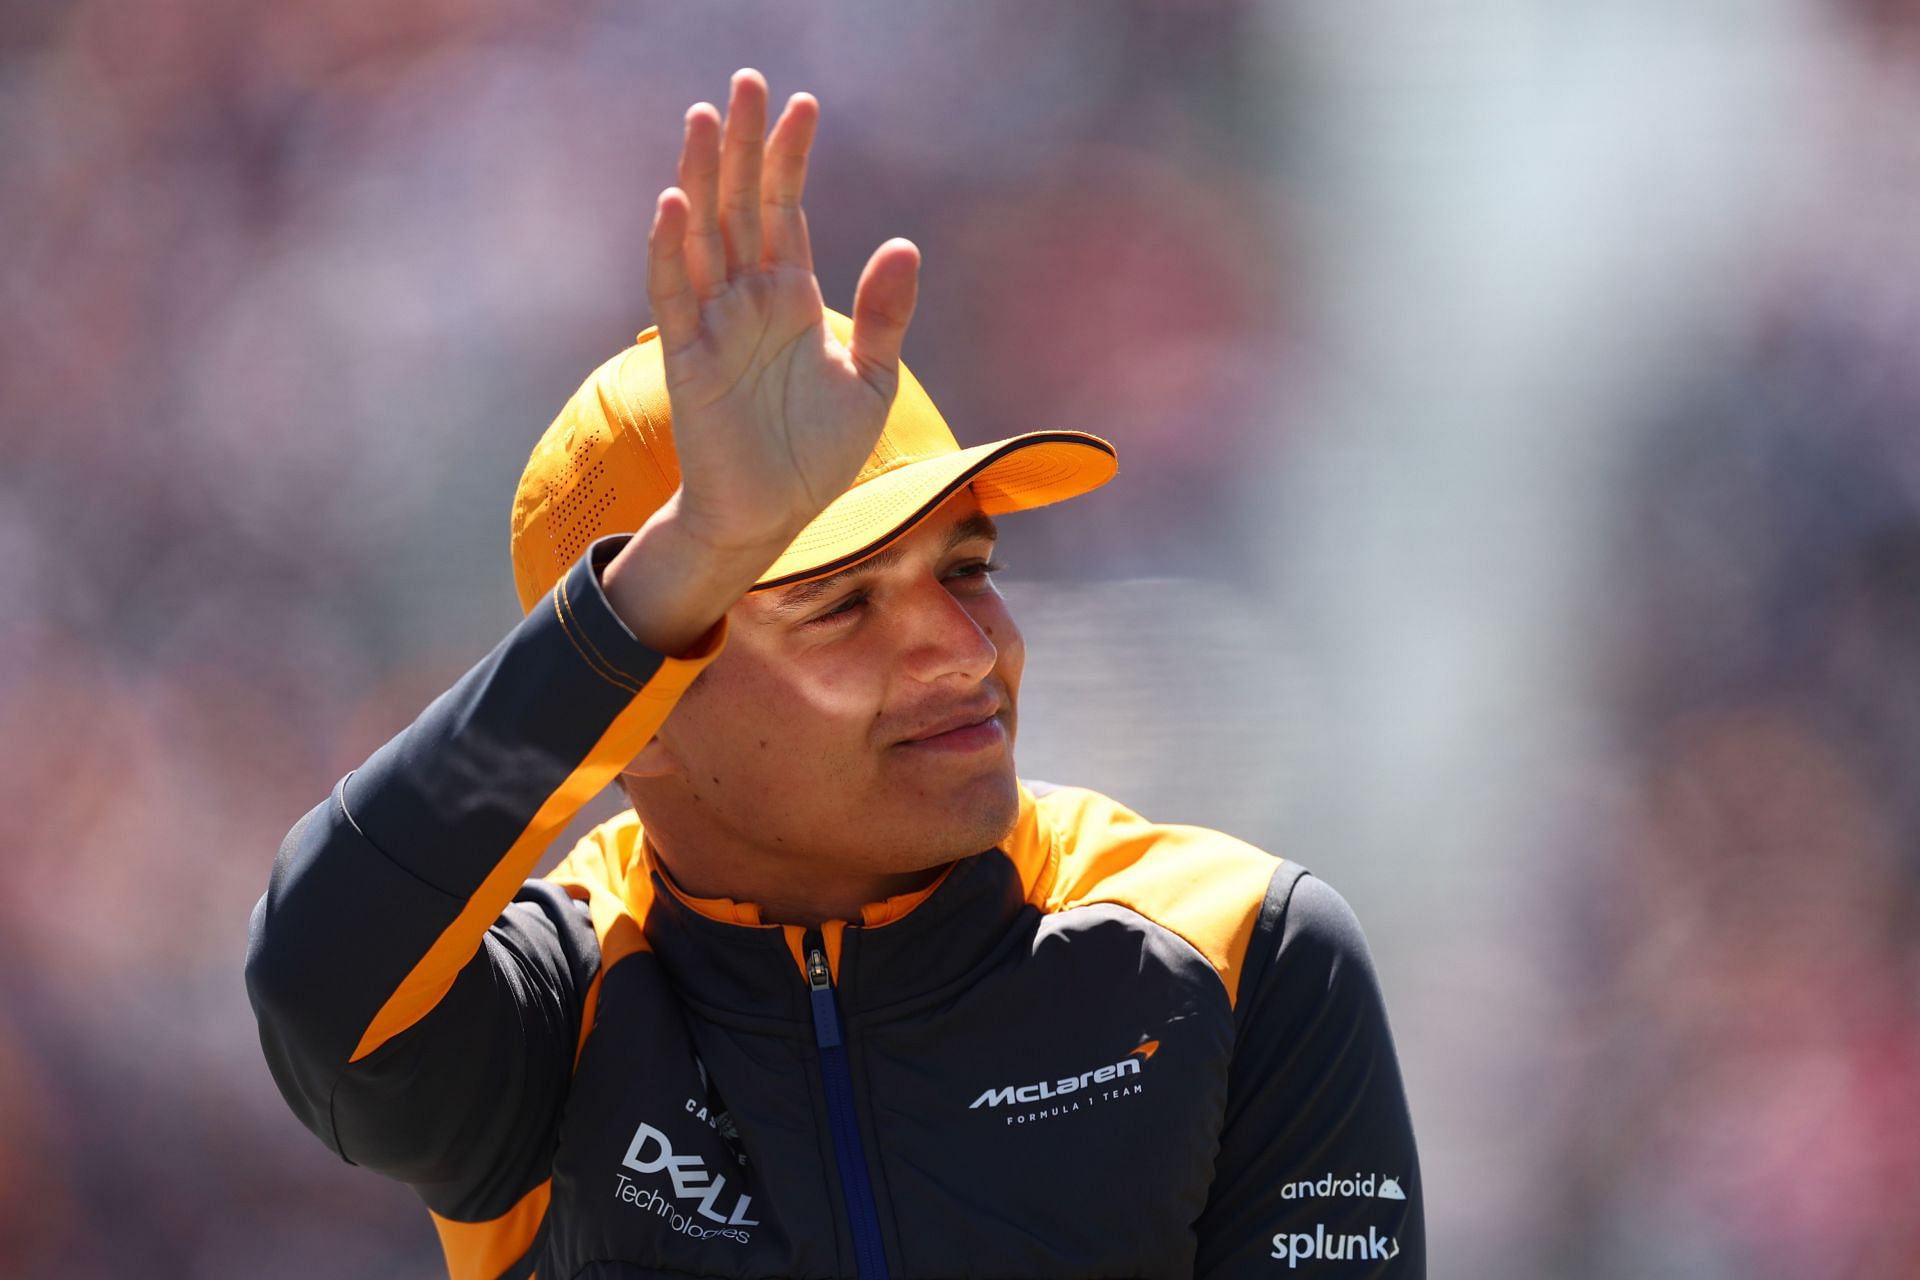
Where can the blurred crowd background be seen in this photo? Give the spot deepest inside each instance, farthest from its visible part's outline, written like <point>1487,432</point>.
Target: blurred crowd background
<point>1518,523</point>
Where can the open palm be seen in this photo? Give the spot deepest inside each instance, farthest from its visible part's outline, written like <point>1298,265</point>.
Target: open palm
<point>772,416</point>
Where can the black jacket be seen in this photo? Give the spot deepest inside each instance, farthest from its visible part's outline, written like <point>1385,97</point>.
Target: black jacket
<point>1109,1048</point>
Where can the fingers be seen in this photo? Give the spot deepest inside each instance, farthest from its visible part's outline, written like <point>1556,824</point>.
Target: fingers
<point>740,170</point>
<point>700,178</point>
<point>782,221</point>
<point>882,308</point>
<point>670,288</point>
<point>726,213</point>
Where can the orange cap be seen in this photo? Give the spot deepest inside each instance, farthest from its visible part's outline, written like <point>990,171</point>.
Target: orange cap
<point>607,463</point>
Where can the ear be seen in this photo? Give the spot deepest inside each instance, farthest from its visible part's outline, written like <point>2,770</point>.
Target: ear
<point>656,760</point>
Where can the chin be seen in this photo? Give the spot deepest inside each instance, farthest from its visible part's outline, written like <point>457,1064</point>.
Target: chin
<point>980,818</point>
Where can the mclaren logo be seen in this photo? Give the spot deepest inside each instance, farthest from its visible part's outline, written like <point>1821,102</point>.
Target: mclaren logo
<point>1046,1090</point>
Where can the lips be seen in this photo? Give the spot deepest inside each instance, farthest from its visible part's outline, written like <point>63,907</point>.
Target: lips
<point>968,728</point>
<point>963,718</point>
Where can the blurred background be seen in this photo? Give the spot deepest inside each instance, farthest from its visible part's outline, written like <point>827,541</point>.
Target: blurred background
<point>1518,523</point>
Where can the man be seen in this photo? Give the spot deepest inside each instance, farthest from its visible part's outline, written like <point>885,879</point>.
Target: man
<point>840,996</point>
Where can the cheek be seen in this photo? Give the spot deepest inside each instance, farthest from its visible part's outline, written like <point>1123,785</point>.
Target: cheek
<point>768,719</point>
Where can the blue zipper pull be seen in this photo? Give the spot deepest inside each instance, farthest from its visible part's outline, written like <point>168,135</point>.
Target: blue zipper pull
<point>826,1018</point>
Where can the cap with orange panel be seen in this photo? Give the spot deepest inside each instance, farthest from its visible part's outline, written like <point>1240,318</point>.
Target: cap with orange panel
<point>607,463</point>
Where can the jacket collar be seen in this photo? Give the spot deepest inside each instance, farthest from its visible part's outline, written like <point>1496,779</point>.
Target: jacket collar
<point>903,952</point>
<point>727,962</point>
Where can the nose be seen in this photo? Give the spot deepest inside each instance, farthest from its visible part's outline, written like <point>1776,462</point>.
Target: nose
<point>942,640</point>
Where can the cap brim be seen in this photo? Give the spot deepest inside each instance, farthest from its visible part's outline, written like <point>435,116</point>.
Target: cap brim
<point>1015,474</point>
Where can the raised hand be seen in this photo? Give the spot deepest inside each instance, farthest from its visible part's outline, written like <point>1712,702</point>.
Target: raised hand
<point>772,415</point>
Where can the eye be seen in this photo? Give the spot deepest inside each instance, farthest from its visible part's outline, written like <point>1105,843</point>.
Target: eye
<point>975,570</point>
<point>841,611</point>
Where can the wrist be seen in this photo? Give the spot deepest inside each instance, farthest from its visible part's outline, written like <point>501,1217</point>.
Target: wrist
<point>669,586</point>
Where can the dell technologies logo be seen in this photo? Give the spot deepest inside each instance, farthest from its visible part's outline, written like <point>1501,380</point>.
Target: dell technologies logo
<point>650,1152</point>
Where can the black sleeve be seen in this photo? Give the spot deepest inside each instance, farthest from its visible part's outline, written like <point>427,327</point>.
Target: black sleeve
<point>1317,1164</point>
<point>463,1104</point>
<point>418,998</point>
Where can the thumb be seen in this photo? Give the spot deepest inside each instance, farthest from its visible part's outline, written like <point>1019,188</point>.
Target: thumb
<point>883,307</point>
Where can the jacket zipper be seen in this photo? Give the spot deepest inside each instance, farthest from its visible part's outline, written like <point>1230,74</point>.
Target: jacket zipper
<point>856,1187</point>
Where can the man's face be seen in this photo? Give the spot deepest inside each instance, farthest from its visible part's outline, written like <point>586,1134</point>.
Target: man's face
<point>862,722</point>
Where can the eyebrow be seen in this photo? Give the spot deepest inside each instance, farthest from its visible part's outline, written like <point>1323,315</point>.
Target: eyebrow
<point>797,599</point>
